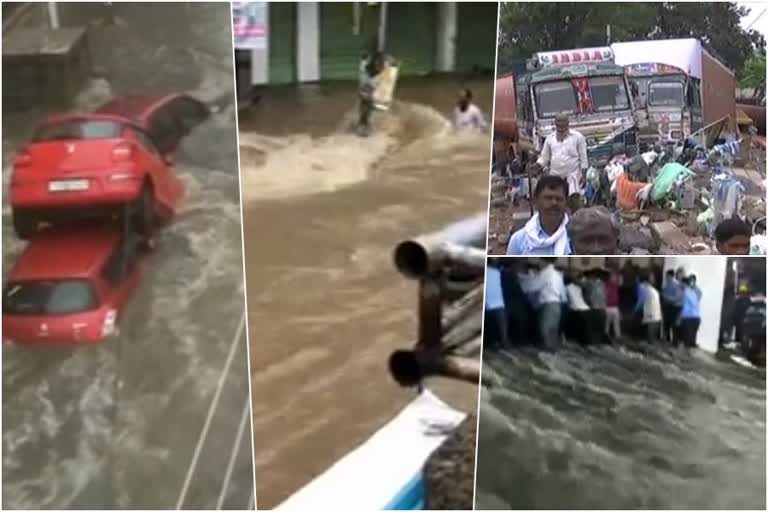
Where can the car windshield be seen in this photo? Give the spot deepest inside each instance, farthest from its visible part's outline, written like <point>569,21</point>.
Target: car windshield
<point>78,130</point>
<point>665,94</point>
<point>608,93</point>
<point>48,297</point>
<point>553,98</point>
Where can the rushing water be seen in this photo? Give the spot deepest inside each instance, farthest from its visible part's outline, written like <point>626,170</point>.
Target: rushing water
<point>116,425</point>
<point>323,210</point>
<point>621,428</point>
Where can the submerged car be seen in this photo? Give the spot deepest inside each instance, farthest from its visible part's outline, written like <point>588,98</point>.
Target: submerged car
<point>70,284</point>
<point>118,159</point>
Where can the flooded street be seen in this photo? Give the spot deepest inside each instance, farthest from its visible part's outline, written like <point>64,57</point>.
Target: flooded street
<point>633,427</point>
<point>323,210</point>
<point>156,418</point>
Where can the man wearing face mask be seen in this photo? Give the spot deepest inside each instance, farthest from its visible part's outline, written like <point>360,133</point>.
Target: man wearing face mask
<point>565,154</point>
<point>466,115</point>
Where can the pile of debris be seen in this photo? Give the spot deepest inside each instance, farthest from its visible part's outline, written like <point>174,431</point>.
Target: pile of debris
<point>668,200</point>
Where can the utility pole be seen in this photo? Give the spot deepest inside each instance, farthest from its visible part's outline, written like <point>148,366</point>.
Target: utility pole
<point>608,34</point>
<point>53,15</point>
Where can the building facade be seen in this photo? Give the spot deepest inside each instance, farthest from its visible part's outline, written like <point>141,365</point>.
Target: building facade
<point>314,41</point>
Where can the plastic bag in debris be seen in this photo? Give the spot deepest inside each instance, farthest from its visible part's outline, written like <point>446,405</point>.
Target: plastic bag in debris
<point>669,175</point>
<point>758,245</point>
<point>706,216</point>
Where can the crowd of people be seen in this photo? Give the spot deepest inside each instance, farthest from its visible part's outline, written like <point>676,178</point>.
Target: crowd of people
<point>551,231</point>
<point>534,302</point>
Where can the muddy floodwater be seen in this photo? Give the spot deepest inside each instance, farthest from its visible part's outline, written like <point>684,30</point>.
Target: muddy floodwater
<point>156,418</point>
<point>631,427</point>
<point>323,210</point>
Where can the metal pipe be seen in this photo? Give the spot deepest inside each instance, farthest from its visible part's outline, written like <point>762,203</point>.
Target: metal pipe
<point>423,255</point>
<point>410,367</point>
<point>53,15</point>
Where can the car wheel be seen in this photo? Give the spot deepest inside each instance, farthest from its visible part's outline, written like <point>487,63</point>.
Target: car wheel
<point>144,211</point>
<point>24,224</point>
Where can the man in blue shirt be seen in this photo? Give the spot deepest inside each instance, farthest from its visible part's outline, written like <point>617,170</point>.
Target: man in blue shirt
<point>545,233</point>
<point>672,302</point>
<point>690,314</point>
<point>495,312</point>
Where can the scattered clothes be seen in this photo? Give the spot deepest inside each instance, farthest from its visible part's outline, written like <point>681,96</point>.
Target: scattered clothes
<point>666,180</point>
<point>627,193</point>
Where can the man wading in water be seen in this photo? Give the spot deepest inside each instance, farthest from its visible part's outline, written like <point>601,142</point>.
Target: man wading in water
<point>371,72</point>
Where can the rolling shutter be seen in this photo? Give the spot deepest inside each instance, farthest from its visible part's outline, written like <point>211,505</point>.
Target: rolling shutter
<point>282,42</point>
<point>411,36</point>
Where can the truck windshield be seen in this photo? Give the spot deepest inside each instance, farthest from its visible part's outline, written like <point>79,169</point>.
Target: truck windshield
<point>553,98</point>
<point>78,130</point>
<point>48,297</point>
<point>665,94</point>
<point>608,93</point>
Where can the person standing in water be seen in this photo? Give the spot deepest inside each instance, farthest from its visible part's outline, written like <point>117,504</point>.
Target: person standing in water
<point>467,115</point>
<point>690,315</point>
<point>370,68</point>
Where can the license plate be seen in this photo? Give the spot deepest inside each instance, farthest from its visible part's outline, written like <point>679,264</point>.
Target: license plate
<point>67,185</point>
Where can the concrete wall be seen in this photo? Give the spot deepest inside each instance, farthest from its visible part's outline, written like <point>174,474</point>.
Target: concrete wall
<point>710,276</point>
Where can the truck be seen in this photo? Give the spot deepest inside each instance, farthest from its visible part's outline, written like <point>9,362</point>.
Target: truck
<point>585,84</point>
<point>677,86</point>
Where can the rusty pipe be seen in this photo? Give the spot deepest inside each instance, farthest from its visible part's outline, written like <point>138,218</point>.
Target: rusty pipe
<point>424,255</point>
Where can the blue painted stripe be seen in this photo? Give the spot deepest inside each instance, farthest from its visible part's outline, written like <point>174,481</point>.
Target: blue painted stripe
<point>410,497</point>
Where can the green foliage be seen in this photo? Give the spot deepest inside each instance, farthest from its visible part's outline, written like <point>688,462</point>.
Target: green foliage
<point>753,74</point>
<point>526,28</point>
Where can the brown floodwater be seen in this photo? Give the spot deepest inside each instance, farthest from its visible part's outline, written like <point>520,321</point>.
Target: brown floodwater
<point>323,210</point>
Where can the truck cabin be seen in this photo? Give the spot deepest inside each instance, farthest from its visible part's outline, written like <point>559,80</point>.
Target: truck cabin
<point>594,93</point>
<point>666,94</point>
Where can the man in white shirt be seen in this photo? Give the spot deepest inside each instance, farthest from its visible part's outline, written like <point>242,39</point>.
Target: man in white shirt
<point>651,309</point>
<point>466,115</point>
<point>552,296</point>
<point>565,153</point>
<point>577,320</point>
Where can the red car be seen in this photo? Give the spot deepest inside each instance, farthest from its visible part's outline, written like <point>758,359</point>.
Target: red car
<point>119,155</point>
<point>70,284</point>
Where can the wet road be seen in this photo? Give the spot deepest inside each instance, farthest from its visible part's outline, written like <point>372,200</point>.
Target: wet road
<point>157,418</point>
<point>621,428</point>
<point>323,210</point>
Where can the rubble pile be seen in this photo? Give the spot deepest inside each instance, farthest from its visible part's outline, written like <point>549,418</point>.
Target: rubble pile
<point>668,200</point>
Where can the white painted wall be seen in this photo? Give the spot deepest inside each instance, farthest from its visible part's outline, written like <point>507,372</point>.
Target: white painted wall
<point>710,274</point>
<point>447,29</point>
<point>308,42</point>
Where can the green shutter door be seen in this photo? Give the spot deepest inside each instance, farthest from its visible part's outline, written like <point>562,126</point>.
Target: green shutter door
<point>476,38</point>
<point>282,42</point>
<point>340,47</point>
<point>411,36</point>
